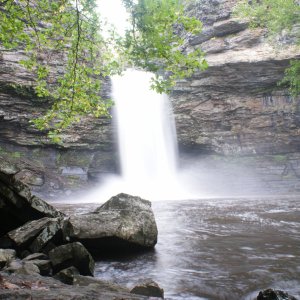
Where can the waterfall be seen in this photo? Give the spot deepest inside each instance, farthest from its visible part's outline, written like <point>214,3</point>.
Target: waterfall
<point>146,131</point>
<point>147,142</point>
<point>146,137</point>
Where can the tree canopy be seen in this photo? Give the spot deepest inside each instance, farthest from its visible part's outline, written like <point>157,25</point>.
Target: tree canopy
<point>155,41</point>
<point>71,30</point>
<point>277,16</point>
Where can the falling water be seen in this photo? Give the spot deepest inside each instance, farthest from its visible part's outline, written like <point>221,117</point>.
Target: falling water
<point>146,132</point>
<point>146,139</point>
<point>146,136</point>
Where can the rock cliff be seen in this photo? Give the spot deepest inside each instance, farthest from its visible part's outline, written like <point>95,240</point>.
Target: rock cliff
<point>88,147</point>
<point>234,108</point>
<point>19,105</point>
<point>236,105</point>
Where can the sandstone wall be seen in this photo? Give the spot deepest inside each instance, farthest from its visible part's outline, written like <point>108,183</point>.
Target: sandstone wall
<point>88,149</point>
<point>19,105</point>
<point>235,107</point>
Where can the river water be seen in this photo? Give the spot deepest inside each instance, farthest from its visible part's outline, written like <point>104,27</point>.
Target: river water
<point>218,249</point>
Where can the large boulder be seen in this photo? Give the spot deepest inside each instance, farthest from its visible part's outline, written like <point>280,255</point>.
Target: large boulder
<point>17,204</point>
<point>72,255</point>
<point>122,223</point>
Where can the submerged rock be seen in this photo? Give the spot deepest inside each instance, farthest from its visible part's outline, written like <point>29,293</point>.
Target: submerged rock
<point>271,294</point>
<point>122,223</point>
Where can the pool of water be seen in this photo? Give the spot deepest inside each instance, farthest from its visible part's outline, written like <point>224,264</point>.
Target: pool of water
<point>218,249</point>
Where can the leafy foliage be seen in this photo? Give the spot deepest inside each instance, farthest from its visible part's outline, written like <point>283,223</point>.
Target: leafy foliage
<point>155,41</point>
<point>66,32</point>
<point>64,36</point>
<point>292,77</point>
<point>275,15</point>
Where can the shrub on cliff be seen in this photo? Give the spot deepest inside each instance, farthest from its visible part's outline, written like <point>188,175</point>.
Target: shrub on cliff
<point>277,16</point>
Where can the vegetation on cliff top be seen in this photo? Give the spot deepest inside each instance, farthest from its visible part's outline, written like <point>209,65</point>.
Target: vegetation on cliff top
<point>278,16</point>
<point>67,35</point>
<point>155,43</point>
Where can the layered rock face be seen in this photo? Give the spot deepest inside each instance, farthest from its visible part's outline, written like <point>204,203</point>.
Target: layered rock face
<point>19,105</point>
<point>88,148</point>
<point>236,106</point>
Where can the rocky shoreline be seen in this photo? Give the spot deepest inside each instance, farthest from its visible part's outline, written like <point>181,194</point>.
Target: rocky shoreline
<point>46,254</point>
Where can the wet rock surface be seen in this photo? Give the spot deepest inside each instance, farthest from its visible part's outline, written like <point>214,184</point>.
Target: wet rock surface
<point>123,222</point>
<point>38,287</point>
<point>148,288</point>
<point>19,105</point>
<point>38,235</point>
<point>271,294</point>
<point>6,256</point>
<point>72,255</point>
<point>84,145</point>
<point>54,173</point>
<point>42,244</point>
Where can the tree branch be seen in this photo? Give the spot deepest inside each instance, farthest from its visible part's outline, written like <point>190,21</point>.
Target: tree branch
<point>32,23</point>
<point>76,55</point>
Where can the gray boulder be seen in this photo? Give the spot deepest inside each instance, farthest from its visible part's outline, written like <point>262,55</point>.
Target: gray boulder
<point>17,204</point>
<point>22,267</point>
<point>6,256</point>
<point>148,288</point>
<point>72,255</point>
<point>67,275</point>
<point>35,256</point>
<point>45,267</point>
<point>36,235</point>
<point>122,223</point>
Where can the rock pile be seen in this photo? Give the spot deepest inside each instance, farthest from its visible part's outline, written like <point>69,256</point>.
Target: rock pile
<point>37,240</point>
